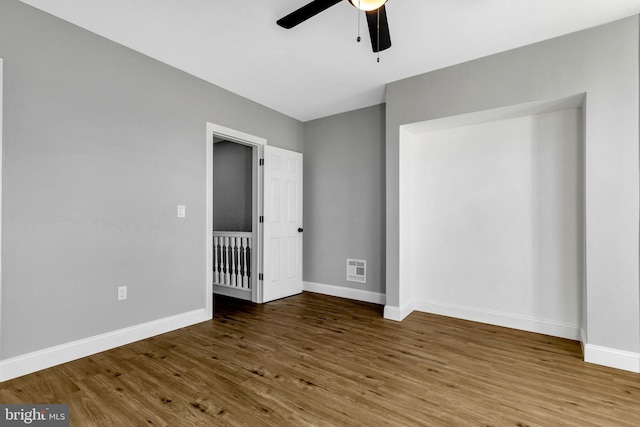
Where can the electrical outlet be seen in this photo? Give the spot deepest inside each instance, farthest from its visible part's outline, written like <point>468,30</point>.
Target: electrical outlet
<point>122,293</point>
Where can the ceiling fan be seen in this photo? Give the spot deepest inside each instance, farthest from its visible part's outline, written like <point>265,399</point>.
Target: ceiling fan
<point>374,9</point>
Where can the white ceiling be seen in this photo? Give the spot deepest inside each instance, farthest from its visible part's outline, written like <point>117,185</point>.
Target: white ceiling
<point>317,68</point>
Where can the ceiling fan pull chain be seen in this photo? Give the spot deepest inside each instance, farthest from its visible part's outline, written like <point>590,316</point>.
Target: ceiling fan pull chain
<point>358,15</point>
<point>378,35</point>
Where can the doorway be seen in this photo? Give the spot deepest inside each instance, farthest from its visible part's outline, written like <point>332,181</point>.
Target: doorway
<point>233,216</point>
<point>263,262</point>
<point>233,257</point>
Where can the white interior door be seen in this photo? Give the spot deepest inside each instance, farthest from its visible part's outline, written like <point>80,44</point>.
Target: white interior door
<point>282,227</point>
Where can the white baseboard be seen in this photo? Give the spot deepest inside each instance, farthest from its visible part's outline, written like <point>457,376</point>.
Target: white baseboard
<point>540,326</point>
<point>342,292</point>
<point>612,358</point>
<point>244,294</point>
<point>52,356</point>
<point>398,314</point>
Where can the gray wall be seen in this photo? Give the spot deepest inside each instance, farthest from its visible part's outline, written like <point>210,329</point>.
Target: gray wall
<point>601,62</point>
<point>100,146</point>
<point>344,197</point>
<point>232,172</point>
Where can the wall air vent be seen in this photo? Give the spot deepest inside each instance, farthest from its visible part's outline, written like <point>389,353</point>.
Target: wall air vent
<point>356,270</point>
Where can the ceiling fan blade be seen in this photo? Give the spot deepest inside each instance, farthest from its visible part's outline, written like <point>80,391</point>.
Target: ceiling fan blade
<point>305,12</point>
<point>383,35</point>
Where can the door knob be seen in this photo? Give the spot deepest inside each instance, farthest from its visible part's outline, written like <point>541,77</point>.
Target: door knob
<point>300,230</point>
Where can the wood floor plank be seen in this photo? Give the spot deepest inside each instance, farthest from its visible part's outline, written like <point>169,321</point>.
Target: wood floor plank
<point>315,360</point>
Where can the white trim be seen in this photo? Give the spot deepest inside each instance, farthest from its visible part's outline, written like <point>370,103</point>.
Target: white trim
<point>1,162</point>
<point>508,320</point>
<point>52,356</point>
<point>233,234</point>
<point>612,358</point>
<point>257,197</point>
<point>342,292</point>
<point>208,223</point>
<point>583,340</point>
<point>229,291</point>
<point>256,143</point>
<point>234,135</point>
<point>398,314</point>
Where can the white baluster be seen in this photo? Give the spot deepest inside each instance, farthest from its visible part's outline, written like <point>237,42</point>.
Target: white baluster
<point>249,265</point>
<point>216,275</point>
<point>232,259</point>
<point>227,275</point>
<point>238,260</point>
<point>241,267</point>
<point>245,260</point>
<point>239,257</point>
<point>234,262</point>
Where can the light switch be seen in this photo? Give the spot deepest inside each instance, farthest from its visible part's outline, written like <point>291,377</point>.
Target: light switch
<point>182,211</point>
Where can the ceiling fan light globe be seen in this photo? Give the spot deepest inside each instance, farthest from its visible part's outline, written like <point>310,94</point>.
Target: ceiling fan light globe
<point>368,5</point>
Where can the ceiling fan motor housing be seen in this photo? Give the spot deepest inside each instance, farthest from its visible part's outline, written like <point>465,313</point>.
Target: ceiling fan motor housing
<point>374,9</point>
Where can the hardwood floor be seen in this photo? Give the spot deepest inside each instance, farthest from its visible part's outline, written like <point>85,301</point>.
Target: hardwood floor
<point>315,360</point>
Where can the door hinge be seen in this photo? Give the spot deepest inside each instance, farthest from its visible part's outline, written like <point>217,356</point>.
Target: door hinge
<point>260,276</point>
<point>261,162</point>
<point>261,219</point>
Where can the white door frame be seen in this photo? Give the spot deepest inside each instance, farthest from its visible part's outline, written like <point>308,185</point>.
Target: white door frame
<point>256,143</point>
<point>1,161</point>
